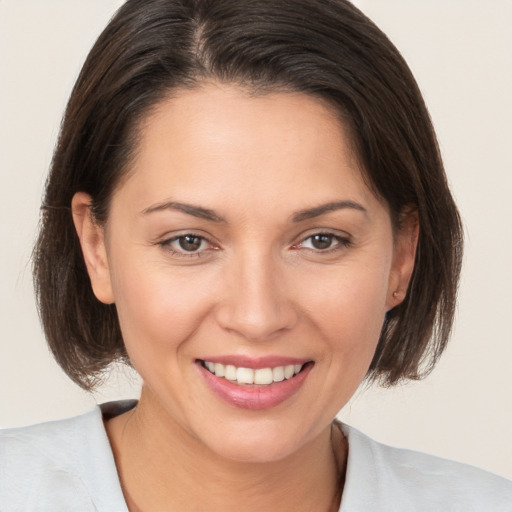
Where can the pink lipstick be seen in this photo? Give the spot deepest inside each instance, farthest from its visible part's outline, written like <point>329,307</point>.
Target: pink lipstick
<point>250,383</point>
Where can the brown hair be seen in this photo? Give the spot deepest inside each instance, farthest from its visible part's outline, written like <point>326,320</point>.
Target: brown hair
<point>326,48</point>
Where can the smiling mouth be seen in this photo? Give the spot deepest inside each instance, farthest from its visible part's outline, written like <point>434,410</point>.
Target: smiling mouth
<point>249,376</point>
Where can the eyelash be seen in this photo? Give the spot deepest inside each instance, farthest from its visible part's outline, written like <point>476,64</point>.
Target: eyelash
<point>341,243</point>
<point>166,244</point>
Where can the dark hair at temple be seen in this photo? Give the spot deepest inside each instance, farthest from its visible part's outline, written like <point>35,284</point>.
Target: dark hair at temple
<point>325,48</point>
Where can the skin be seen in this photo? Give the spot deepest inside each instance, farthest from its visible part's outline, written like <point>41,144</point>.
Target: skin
<point>257,286</point>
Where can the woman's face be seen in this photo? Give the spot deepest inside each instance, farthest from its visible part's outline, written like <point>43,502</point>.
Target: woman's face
<point>244,244</point>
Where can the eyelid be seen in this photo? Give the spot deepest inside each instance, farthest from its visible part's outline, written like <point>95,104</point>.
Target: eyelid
<point>343,238</point>
<point>166,241</point>
<point>337,233</point>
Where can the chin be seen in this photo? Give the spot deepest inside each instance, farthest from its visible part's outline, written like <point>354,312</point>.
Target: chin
<point>261,443</point>
<point>255,451</point>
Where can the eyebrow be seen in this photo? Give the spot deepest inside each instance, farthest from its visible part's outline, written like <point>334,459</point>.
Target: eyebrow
<point>189,209</point>
<point>207,214</point>
<point>317,211</point>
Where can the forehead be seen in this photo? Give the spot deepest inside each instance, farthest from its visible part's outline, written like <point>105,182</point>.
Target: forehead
<point>218,142</point>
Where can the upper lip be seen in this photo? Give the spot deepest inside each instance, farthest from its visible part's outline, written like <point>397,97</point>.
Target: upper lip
<point>255,362</point>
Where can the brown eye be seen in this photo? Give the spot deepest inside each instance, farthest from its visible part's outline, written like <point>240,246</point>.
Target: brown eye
<point>324,243</point>
<point>321,241</point>
<point>190,243</point>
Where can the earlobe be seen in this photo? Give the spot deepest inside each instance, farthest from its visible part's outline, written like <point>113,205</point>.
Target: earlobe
<point>406,242</point>
<point>92,242</point>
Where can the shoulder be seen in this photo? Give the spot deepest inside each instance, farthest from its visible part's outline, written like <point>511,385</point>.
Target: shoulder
<point>384,478</point>
<point>59,465</point>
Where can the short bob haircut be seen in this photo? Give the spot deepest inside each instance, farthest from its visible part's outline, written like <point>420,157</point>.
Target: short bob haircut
<point>328,49</point>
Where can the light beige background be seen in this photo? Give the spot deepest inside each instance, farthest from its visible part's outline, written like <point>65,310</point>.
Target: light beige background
<point>461,53</point>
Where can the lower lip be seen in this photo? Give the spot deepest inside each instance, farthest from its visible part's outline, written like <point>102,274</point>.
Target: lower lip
<point>254,397</point>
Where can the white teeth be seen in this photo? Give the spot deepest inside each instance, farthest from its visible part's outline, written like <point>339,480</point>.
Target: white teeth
<point>278,374</point>
<point>245,376</point>
<point>219,370</point>
<point>289,370</point>
<point>261,376</point>
<point>229,372</point>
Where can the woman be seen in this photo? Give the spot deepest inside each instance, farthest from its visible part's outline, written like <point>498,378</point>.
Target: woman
<point>248,205</point>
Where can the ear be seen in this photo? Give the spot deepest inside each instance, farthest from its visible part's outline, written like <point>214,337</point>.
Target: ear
<point>404,254</point>
<point>92,241</point>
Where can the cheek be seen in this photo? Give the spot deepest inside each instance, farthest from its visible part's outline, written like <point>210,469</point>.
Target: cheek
<point>348,312</point>
<point>158,310</point>
<point>354,301</point>
<point>344,314</point>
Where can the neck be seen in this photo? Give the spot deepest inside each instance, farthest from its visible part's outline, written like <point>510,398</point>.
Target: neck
<point>162,467</point>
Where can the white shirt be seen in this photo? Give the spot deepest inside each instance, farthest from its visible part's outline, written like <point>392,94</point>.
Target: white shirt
<point>67,466</point>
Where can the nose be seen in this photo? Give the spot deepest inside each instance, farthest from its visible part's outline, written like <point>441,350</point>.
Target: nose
<point>256,304</point>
